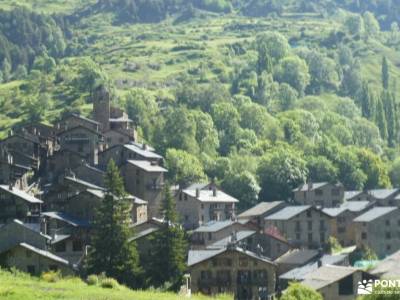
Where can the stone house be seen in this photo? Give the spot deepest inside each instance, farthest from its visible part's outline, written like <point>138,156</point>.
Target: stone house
<point>16,232</point>
<point>378,229</point>
<point>342,220</point>
<point>322,194</point>
<point>257,213</point>
<point>336,282</point>
<point>61,161</point>
<point>247,275</point>
<point>302,226</point>
<point>381,197</point>
<point>17,204</point>
<point>145,180</point>
<point>387,268</point>
<point>124,152</point>
<point>46,135</point>
<point>82,140</point>
<point>24,147</point>
<point>12,173</point>
<point>296,258</point>
<point>90,173</point>
<point>72,120</point>
<point>35,261</point>
<point>199,204</point>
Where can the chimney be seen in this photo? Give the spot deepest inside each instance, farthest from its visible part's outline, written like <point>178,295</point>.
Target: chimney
<point>320,255</point>
<point>214,190</point>
<point>144,146</point>
<point>11,186</point>
<point>10,132</point>
<point>259,250</point>
<point>309,185</point>
<point>197,192</point>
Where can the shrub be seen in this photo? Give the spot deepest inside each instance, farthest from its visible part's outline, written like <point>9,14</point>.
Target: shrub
<point>92,280</point>
<point>51,276</point>
<point>109,283</point>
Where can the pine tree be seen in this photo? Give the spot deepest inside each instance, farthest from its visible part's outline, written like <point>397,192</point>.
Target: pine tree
<point>385,73</point>
<point>111,252</point>
<point>6,70</point>
<point>390,112</point>
<point>367,101</point>
<point>169,247</point>
<point>380,119</point>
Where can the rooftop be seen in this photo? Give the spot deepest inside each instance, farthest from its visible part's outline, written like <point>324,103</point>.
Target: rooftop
<point>45,254</point>
<point>214,226</point>
<point>83,182</point>
<point>299,273</point>
<point>20,194</point>
<point>143,151</point>
<point>383,193</point>
<point>352,206</point>
<point>147,166</point>
<point>348,195</point>
<point>389,267</point>
<point>298,257</point>
<point>207,195</point>
<point>67,219</point>
<point>260,208</point>
<point>310,186</point>
<point>288,212</point>
<point>240,235</point>
<point>327,275</point>
<point>375,213</point>
<point>197,256</point>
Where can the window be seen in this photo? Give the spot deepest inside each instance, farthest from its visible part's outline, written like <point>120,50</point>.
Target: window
<point>243,262</point>
<point>137,172</point>
<point>28,253</point>
<point>322,237</point>
<point>297,225</point>
<point>202,206</point>
<point>30,269</point>
<point>335,192</point>
<point>319,192</point>
<point>309,225</point>
<point>322,225</point>
<point>209,236</point>
<point>309,213</point>
<point>137,181</point>
<point>202,218</point>
<point>60,247</point>
<point>186,218</point>
<point>388,247</point>
<point>387,222</point>
<point>185,197</point>
<point>364,235</point>
<point>388,235</point>
<point>310,238</point>
<point>341,229</point>
<point>180,196</point>
<point>53,268</point>
<point>298,236</point>
<point>77,245</point>
<point>346,286</point>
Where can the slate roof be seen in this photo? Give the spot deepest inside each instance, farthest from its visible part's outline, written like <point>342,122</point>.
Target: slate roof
<point>382,193</point>
<point>314,185</point>
<point>348,195</point>
<point>67,219</point>
<point>147,166</point>
<point>389,267</point>
<point>145,232</point>
<point>260,209</point>
<point>288,212</point>
<point>147,153</point>
<point>327,275</point>
<point>83,182</point>
<point>78,116</point>
<point>240,235</point>
<point>100,194</point>
<point>45,254</point>
<point>352,206</point>
<point>79,127</point>
<point>375,213</point>
<point>297,257</point>
<point>298,274</point>
<point>197,256</point>
<point>20,194</point>
<point>214,226</point>
<point>206,195</point>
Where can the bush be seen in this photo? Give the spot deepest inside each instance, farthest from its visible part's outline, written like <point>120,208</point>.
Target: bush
<point>92,280</point>
<point>109,283</point>
<point>51,276</point>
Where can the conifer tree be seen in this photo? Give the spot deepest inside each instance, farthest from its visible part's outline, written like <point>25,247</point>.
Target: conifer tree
<point>264,61</point>
<point>391,119</point>
<point>367,102</point>
<point>111,252</point>
<point>380,119</point>
<point>169,247</point>
<point>6,70</point>
<point>385,73</point>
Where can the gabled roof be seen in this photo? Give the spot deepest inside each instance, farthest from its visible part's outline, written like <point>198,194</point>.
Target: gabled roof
<point>352,206</point>
<point>224,242</point>
<point>214,226</point>
<point>25,135</point>
<point>310,186</point>
<point>198,256</point>
<point>84,183</point>
<point>327,275</point>
<point>147,166</point>
<point>79,127</point>
<point>297,257</point>
<point>34,227</point>
<point>45,254</point>
<point>100,194</point>
<point>147,153</point>
<point>67,219</point>
<point>207,195</point>
<point>389,267</point>
<point>78,116</point>
<point>300,273</point>
<point>382,194</point>
<point>288,212</point>
<point>348,195</point>
<point>20,194</point>
<point>260,209</point>
<point>375,213</point>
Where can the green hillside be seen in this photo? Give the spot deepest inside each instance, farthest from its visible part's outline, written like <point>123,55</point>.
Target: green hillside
<point>16,286</point>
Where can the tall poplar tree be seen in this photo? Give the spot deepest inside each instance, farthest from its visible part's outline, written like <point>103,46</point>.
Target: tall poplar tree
<point>380,119</point>
<point>111,252</point>
<point>169,249</point>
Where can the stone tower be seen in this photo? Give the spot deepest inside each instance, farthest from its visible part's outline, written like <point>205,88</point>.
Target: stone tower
<point>102,107</point>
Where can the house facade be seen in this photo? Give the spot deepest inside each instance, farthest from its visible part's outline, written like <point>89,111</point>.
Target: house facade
<point>322,194</point>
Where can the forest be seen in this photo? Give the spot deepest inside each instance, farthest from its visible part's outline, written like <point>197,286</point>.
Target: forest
<point>259,95</point>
